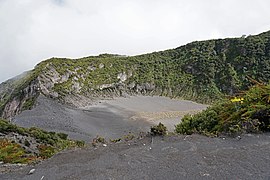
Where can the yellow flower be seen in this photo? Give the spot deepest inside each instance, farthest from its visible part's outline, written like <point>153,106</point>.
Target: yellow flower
<point>237,99</point>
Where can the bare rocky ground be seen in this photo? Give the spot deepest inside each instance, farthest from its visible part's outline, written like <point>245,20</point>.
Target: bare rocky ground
<point>176,157</point>
<point>172,157</point>
<point>107,118</point>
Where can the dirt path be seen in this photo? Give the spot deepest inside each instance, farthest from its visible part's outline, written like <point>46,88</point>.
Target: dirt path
<point>180,157</point>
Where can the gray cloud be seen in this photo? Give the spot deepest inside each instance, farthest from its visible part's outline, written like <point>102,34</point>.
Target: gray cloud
<point>34,30</point>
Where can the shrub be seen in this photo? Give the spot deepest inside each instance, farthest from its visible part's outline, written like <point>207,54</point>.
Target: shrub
<point>185,127</point>
<point>159,130</point>
<point>46,151</point>
<point>250,114</point>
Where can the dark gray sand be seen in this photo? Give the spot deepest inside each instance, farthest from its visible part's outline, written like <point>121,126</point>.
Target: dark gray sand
<point>79,123</point>
<point>178,157</point>
<point>107,118</point>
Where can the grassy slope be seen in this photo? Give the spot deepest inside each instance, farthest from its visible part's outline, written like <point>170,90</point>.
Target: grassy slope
<point>249,113</point>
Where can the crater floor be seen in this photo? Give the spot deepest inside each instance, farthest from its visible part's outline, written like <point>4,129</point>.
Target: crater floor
<point>107,118</point>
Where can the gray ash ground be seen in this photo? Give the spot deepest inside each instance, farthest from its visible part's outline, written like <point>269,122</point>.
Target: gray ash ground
<point>176,157</point>
<point>79,123</point>
<point>107,118</point>
<point>172,157</point>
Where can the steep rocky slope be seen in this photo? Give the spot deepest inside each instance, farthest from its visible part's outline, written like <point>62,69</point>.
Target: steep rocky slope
<point>203,71</point>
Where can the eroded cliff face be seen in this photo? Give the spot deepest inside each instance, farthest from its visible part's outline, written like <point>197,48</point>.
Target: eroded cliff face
<point>24,99</point>
<point>71,87</point>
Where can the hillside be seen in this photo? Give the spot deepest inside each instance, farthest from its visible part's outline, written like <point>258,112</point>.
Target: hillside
<point>203,71</point>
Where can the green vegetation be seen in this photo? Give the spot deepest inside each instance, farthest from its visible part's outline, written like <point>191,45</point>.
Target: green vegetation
<point>48,143</point>
<point>7,127</point>
<point>11,152</point>
<point>203,71</point>
<point>158,130</point>
<point>29,103</point>
<point>248,113</point>
<point>46,151</point>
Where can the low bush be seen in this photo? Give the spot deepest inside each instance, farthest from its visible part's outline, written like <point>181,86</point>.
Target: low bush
<point>158,130</point>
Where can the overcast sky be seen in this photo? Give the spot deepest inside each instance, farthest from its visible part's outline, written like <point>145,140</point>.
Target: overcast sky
<point>35,30</point>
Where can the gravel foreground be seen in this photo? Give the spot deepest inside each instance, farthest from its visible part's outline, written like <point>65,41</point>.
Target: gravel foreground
<point>175,157</point>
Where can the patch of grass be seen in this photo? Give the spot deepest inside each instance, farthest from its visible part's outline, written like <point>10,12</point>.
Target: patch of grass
<point>11,152</point>
<point>46,151</point>
<point>6,127</point>
<point>29,103</point>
